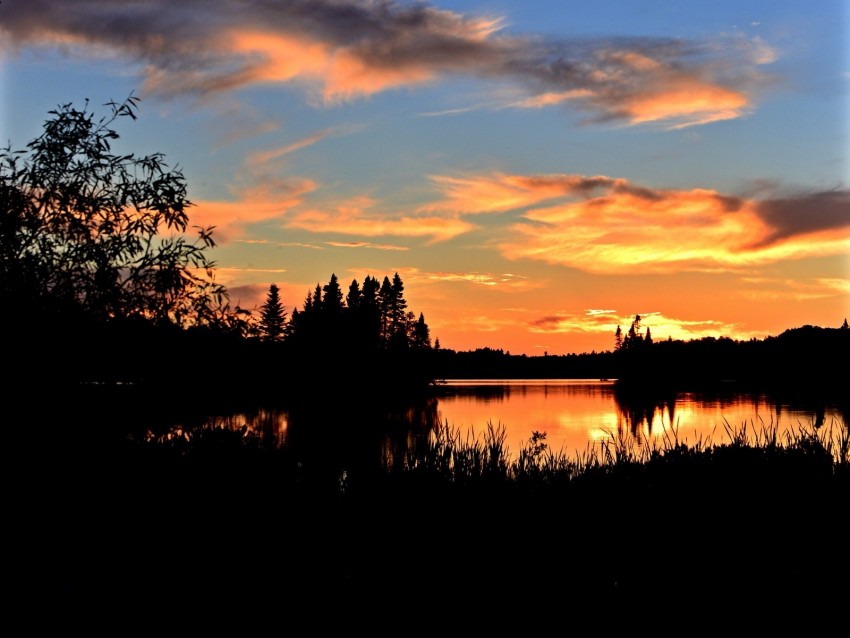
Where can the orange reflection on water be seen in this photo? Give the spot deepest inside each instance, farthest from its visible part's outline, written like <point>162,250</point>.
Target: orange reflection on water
<point>571,412</point>
<point>579,414</point>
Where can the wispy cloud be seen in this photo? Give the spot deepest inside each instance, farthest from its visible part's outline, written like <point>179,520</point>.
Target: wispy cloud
<point>364,244</point>
<point>499,192</point>
<point>262,157</point>
<point>353,218</point>
<point>229,275</point>
<point>262,201</point>
<point>660,326</point>
<point>608,225</point>
<point>342,49</point>
<point>764,289</point>
<point>500,281</point>
<point>595,223</point>
<point>279,244</point>
<point>478,323</point>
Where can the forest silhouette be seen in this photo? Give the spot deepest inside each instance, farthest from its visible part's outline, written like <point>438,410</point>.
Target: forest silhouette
<point>108,298</point>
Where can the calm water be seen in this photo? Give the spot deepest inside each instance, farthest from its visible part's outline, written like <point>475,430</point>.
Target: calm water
<point>574,414</point>
<point>577,413</point>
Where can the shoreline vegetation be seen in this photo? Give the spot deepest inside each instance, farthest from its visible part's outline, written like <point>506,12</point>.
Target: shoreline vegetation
<point>113,312</point>
<point>206,514</point>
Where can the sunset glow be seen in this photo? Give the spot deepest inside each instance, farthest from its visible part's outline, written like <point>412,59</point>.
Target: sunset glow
<point>536,174</point>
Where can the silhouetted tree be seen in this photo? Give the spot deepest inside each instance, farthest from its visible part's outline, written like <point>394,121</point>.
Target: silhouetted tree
<point>369,312</point>
<point>291,326</point>
<point>398,306</point>
<point>385,303</point>
<point>272,316</point>
<point>647,339</point>
<point>317,298</point>
<point>332,297</point>
<point>421,337</point>
<point>618,339</point>
<point>352,299</point>
<point>633,338</point>
<point>844,325</point>
<point>301,324</point>
<point>102,232</point>
<point>370,289</point>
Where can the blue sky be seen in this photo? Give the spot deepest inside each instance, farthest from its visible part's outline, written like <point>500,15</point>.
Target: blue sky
<point>536,172</point>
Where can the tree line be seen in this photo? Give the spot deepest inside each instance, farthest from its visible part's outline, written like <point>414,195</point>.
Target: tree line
<point>374,313</point>
<point>102,278</point>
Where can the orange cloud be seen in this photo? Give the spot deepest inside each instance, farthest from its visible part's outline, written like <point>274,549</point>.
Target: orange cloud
<point>351,219</point>
<point>364,244</point>
<point>261,202</point>
<point>502,281</point>
<point>473,323</point>
<point>343,49</point>
<point>341,74</point>
<point>794,289</point>
<point>661,326</point>
<point>497,192</point>
<point>686,103</point>
<point>552,98</point>
<point>228,276</point>
<point>618,227</point>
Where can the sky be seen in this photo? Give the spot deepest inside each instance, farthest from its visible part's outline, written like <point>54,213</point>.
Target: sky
<point>537,173</point>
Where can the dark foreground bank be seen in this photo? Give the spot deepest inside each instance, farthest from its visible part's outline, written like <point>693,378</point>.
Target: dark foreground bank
<point>220,519</point>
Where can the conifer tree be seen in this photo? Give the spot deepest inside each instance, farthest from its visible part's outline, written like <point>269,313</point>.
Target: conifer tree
<point>352,299</point>
<point>332,296</point>
<point>421,333</point>
<point>399,304</point>
<point>272,316</point>
<point>385,303</point>
<point>317,297</point>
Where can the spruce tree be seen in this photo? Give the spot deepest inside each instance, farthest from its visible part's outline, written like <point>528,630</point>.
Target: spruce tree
<point>421,333</point>
<point>272,316</point>
<point>332,296</point>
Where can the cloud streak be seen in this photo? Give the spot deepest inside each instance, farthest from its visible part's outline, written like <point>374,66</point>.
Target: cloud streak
<point>260,202</point>
<point>608,225</point>
<point>661,326</point>
<point>364,244</point>
<point>259,158</point>
<point>339,50</point>
<point>353,218</point>
<point>596,223</point>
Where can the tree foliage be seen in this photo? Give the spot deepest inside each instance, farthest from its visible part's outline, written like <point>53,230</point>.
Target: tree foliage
<point>92,230</point>
<point>634,338</point>
<point>272,316</point>
<point>372,316</point>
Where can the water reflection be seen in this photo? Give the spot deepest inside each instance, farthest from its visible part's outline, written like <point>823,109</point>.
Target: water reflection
<point>640,414</point>
<point>363,435</point>
<point>577,413</point>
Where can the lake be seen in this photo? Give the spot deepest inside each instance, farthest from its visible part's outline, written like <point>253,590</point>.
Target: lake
<point>577,413</point>
<point>573,413</point>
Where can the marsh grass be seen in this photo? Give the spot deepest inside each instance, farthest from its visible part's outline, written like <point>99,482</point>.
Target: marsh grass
<point>452,457</point>
<point>456,522</point>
